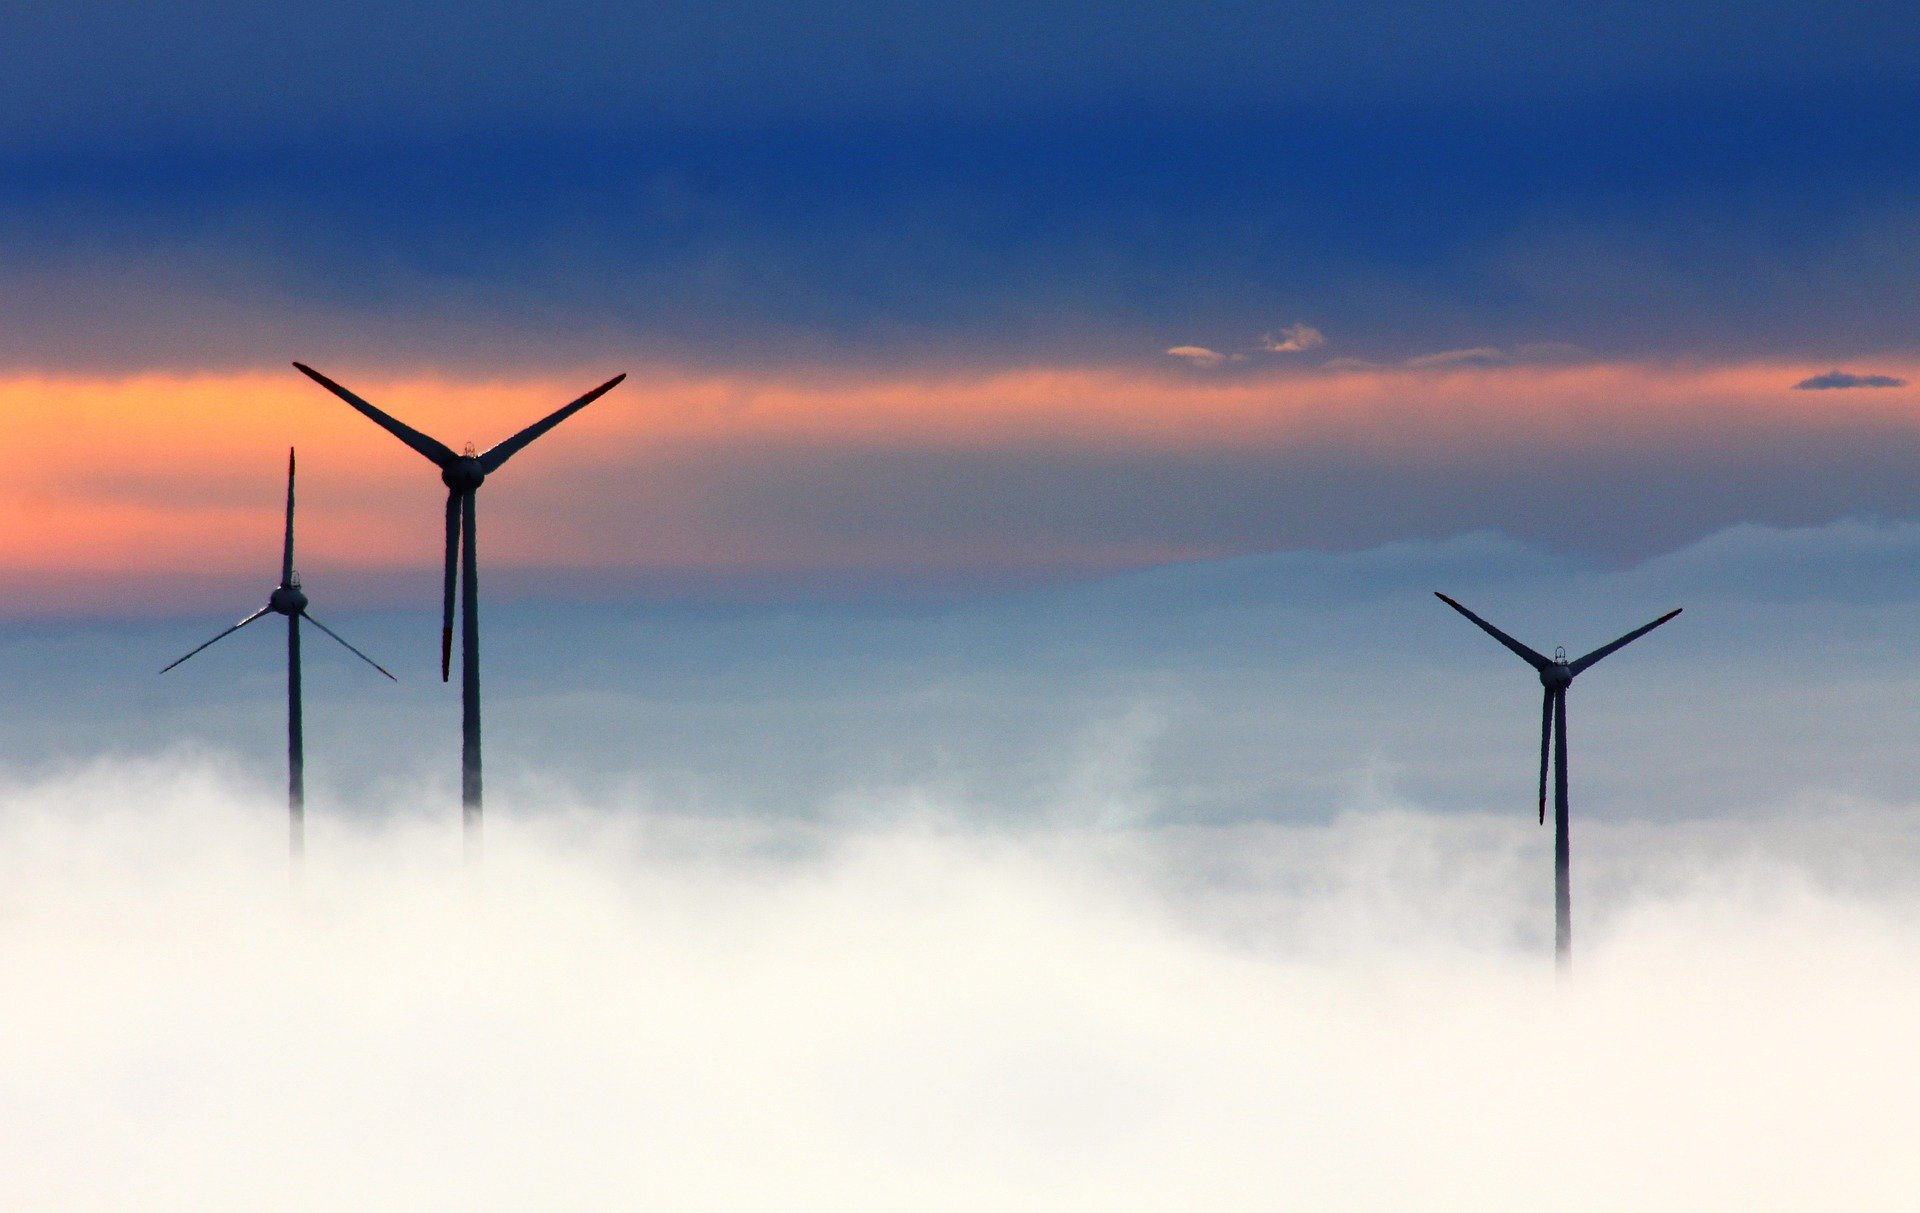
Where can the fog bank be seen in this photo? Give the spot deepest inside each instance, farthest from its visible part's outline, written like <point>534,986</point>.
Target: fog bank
<point>646,1009</point>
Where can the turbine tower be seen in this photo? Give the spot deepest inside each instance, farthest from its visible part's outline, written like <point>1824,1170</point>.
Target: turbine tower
<point>288,599</point>
<point>1556,674</point>
<point>462,474</point>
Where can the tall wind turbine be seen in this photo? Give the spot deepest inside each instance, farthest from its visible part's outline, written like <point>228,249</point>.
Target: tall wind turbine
<point>463,475</point>
<point>288,599</point>
<point>1556,674</point>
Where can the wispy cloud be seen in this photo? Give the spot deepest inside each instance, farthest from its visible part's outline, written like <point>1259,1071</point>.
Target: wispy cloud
<point>1481,357</point>
<point>1837,378</point>
<point>1294,339</point>
<point>1200,355</point>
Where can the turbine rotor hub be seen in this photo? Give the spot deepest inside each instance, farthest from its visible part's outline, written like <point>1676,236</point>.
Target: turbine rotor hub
<point>463,475</point>
<point>1556,676</point>
<point>287,600</point>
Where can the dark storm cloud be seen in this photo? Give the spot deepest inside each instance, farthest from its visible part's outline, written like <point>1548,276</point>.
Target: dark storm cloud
<point>1847,379</point>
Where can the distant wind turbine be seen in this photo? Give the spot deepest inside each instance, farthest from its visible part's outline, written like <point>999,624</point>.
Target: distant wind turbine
<point>1556,674</point>
<point>463,475</point>
<point>288,599</point>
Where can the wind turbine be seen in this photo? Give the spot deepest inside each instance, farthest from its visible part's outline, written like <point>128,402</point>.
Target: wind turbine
<point>290,600</point>
<point>463,475</point>
<point>1556,674</point>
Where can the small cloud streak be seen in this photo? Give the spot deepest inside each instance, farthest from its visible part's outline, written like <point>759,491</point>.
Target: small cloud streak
<point>1201,356</point>
<point>1837,378</point>
<point>1480,357</point>
<point>1294,339</point>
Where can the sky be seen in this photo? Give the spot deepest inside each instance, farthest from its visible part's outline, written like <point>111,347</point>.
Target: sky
<point>968,722</point>
<point>897,291</point>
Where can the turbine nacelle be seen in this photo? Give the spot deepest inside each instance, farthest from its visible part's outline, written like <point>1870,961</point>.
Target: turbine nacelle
<point>287,600</point>
<point>463,473</point>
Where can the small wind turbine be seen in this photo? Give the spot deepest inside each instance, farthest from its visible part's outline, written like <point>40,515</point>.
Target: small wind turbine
<point>1556,674</point>
<point>462,474</point>
<point>288,599</point>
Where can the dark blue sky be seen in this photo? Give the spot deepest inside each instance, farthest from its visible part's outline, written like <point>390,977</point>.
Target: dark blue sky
<point>225,71</point>
<point>742,185</point>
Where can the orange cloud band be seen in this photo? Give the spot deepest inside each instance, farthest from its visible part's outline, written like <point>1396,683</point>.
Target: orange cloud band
<point>158,474</point>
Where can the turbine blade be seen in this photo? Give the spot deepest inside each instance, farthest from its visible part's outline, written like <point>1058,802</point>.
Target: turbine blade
<point>495,456</point>
<point>453,574</point>
<point>222,636</point>
<point>1546,741</point>
<point>1559,747</point>
<point>432,448</point>
<point>286,555</point>
<point>1621,643</point>
<point>308,616</point>
<point>1522,651</point>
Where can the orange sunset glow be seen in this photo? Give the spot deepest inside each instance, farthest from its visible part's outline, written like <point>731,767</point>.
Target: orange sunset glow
<point>151,473</point>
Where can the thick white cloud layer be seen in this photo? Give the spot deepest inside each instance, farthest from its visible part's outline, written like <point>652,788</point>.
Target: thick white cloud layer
<point>651,1011</point>
<point>1215,887</point>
